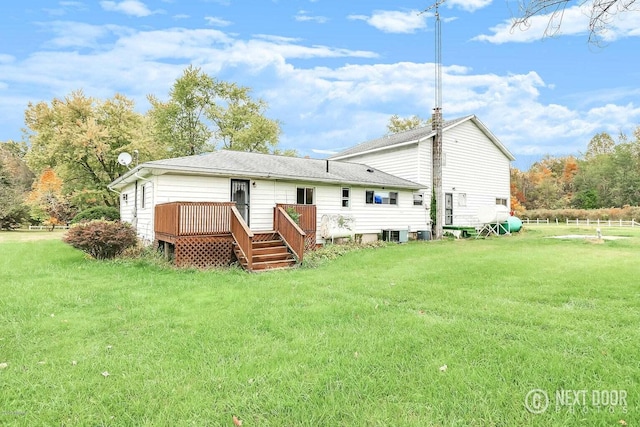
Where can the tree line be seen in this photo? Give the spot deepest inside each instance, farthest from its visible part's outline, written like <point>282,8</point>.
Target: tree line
<point>607,175</point>
<point>69,153</point>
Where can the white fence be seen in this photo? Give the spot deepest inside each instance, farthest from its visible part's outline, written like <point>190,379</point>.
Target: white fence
<point>48,227</point>
<point>586,222</point>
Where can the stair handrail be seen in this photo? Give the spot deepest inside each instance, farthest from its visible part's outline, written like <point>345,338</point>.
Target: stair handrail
<point>290,232</point>
<point>242,235</point>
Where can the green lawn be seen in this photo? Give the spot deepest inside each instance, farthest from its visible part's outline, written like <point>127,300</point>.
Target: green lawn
<point>358,341</point>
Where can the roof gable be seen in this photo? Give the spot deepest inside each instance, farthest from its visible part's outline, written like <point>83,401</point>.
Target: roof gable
<point>414,136</point>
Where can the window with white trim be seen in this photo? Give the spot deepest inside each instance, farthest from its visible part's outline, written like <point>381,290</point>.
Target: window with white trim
<point>418,199</point>
<point>304,195</point>
<point>381,197</point>
<point>462,199</point>
<point>501,201</point>
<point>346,196</point>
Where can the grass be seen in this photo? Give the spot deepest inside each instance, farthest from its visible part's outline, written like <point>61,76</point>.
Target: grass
<point>358,341</point>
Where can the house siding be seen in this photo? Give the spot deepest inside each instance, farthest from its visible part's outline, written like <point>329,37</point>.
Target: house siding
<point>370,219</point>
<point>144,220</point>
<point>475,167</point>
<point>405,162</point>
<point>472,166</point>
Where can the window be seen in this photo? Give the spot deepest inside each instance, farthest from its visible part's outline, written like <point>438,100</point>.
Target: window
<point>500,201</point>
<point>305,196</point>
<point>381,197</point>
<point>345,197</point>
<point>125,198</point>
<point>418,199</point>
<point>143,197</point>
<point>462,199</point>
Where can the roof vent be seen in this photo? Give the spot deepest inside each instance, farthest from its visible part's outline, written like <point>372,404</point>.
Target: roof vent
<point>369,170</point>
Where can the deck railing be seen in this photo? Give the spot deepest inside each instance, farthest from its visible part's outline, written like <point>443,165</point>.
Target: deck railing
<point>290,232</point>
<point>193,218</point>
<point>242,235</point>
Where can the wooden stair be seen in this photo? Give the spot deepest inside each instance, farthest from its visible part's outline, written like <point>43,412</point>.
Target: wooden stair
<point>269,252</point>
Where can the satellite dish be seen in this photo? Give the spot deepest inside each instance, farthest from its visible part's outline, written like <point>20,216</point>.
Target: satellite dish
<point>124,159</point>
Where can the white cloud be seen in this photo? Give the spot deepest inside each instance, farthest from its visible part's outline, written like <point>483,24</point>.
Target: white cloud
<point>69,34</point>
<point>128,7</point>
<point>217,22</point>
<point>469,5</point>
<point>390,21</point>
<point>304,16</point>
<point>325,108</point>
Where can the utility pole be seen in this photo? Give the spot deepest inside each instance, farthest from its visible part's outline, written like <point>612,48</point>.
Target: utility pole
<point>436,125</point>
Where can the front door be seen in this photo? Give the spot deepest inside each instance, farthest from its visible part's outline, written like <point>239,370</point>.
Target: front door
<point>240,195</point>
<point>448,209</point>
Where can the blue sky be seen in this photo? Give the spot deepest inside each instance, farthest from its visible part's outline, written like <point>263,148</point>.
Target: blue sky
<point>333,72</point>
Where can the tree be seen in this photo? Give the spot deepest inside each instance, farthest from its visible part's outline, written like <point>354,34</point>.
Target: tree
<point>204,112</point>
<point>601,143</point>
<point>80,138</point>
<point>241,126</point>
<point>12,154</point>
<point>180,123</point>
<point>601,14</point>
<point>398,124</point>
<point>15,181</point>
<point>12,211</point>
<point>48,204</point>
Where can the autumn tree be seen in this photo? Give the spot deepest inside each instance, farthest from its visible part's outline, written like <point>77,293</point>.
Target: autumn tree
<point>601,14</point>
<point>48,203</point>
<point>399,124</point>
<point>607,175</point>
<point>80,138</point>
<point>204,113</point>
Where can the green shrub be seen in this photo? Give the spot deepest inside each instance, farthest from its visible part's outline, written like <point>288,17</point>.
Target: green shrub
<point>101,239</point>
<point>98,212</point>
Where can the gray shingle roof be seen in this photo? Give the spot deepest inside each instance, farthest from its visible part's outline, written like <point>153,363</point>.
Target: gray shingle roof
<point>414,136</point>
<point>257,165</point>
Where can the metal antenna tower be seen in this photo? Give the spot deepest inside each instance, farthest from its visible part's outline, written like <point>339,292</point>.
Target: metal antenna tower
<point>436,125</point>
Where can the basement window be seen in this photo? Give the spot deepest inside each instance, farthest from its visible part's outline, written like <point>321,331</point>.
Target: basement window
<point>304,196</point>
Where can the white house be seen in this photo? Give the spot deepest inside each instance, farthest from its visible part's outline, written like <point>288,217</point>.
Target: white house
<point>347,198</point>
<point>229,202</point>
<point>475,165</point>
